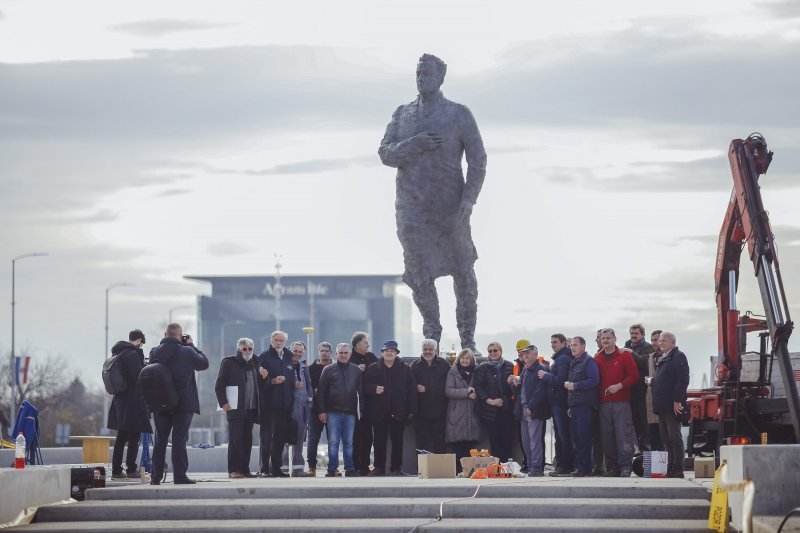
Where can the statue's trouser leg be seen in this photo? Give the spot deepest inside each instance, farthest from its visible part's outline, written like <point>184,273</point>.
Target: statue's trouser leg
<point>466,289</point>
<point>427,300</point>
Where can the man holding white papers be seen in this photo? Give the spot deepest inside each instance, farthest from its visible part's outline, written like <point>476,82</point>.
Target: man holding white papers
<point>237,395</point>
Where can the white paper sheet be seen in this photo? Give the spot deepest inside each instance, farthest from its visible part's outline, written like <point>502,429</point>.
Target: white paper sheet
<point>232,394</point>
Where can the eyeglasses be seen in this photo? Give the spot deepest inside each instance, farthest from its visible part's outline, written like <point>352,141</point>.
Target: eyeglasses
<point>494,350</point>
<point>246,349</point>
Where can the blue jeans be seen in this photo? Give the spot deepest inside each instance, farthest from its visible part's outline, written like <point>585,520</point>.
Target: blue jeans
<point>341,427</point>
<point>564,442</point>
<point>581,429</point>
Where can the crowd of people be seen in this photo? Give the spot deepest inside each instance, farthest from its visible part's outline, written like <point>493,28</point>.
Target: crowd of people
<point>602,407</point>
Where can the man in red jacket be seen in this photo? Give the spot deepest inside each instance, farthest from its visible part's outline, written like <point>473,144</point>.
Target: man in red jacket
<point>618,375</point>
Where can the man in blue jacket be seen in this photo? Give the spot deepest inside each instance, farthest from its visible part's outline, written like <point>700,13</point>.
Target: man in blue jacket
<point>555,379</point>
<point>276,395</point>
<point>669,399</point>
<point>178,353</point>
<point>582,389</point>
<point>531,409</point>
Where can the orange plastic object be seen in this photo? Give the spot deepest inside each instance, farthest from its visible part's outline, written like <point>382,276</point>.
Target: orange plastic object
<point>479,473</point>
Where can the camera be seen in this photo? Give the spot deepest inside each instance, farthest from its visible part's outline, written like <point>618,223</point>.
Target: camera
<point>185,338</point>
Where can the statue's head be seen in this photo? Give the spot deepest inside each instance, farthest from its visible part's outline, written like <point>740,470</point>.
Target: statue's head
<point>430,73</point>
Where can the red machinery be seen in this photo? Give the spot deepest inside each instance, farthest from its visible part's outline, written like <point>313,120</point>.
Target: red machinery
<point>742,402</point>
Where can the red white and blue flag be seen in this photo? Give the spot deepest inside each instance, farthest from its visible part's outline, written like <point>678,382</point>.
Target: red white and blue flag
<point>22,364</point>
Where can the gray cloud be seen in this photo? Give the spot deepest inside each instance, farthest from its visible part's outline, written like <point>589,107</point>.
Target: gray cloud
<point>173,192</point>
<point>161,27</point>
<point>311,166</point>
<point>781,9</point>
<point>98,217</point>
<point>226,248</point>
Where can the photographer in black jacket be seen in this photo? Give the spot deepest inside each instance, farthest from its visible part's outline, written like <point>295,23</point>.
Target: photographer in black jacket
<point>239,371</point>
<point>178,353</point>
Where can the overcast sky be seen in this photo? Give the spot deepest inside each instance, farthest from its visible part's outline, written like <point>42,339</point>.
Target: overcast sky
<point>144,141</point>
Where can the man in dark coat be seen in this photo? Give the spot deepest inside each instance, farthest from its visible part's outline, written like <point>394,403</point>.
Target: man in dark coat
<point>239,371</point>
<point>583,399</point>
<point>362,439</point>
<point>669,399</point>
<point>391,399</point>
<point>557,399</point>
<point>641,351</point>
<point>430,373</point>
<point>128,414</point>
<point>531,408</point>
<point>324,349</point>
<point>178,352</point>
<point>339,399</point>
<point>276,401</point>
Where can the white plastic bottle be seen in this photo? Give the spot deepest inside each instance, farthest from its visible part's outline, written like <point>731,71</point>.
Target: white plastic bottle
<point>19,452</point>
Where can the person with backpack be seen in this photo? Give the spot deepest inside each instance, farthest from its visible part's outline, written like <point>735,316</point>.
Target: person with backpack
<point>179,355</point>
<point>127,414</point>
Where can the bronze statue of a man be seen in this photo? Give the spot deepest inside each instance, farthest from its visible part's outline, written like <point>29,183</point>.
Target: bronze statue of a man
<point>426,141</point>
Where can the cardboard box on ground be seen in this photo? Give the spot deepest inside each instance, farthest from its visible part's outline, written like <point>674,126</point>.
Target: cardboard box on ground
<point>704,466</point>
<point>436,465</point>
<point>470,464</point>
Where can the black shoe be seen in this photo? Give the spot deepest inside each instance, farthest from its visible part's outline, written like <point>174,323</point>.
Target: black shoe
<point>333,473</point>
<point>155,482</point>
<point>612,473</point>
<point>535,473</point>
<point>579,473</point>
<point>364,472</point>
<point>524,469</point>
<point>184,481</point>
<point>396,473</point>
<point>597,472</point>
<point>118,475</point>
<point>352,473</point>
<point>625,473</point>
<point>279,473</point>
<point>561,472</point>
<point>377,472</point>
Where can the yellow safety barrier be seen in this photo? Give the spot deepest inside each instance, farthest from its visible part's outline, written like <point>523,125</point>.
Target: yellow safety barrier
<point>718,514</point>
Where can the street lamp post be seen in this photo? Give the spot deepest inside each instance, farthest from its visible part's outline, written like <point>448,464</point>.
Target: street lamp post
<point>104,429</point>
<point>12,401</point>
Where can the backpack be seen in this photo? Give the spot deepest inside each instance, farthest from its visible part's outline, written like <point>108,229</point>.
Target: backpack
<point>113,379</point>
<point>158,391</point>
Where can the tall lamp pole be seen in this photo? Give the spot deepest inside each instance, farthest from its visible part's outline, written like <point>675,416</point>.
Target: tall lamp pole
<point>278,292</point>
<point>104,429</point>
<point>12,400</point>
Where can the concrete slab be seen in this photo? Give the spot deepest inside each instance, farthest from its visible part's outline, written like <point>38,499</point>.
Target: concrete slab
<point>376,508</point>
<point>775,471</point>
<point>400,525</point>
<point>31,487</point>
<point>769,524</point>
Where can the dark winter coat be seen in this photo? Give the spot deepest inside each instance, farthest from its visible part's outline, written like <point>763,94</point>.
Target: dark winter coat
<point>314,372</point>
<point>234,371</point>
<point>492,383</point>
<point>558,375</point>
<point>340,389</point>
<point>281,396</point>
<point>182,360</point>
<point>462,421</point>
<point>127,411</point>
<point>537,392</point>
<point>399,398</point>
<point>583,373</point>
<point>641,355</point>
<point>432,402</point>
<point>670,382</point>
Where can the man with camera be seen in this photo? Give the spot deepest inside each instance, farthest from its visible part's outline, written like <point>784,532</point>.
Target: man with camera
<point>179,354</point>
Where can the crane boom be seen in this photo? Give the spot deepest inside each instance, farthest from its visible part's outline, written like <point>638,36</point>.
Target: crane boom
<point>746,222</point>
